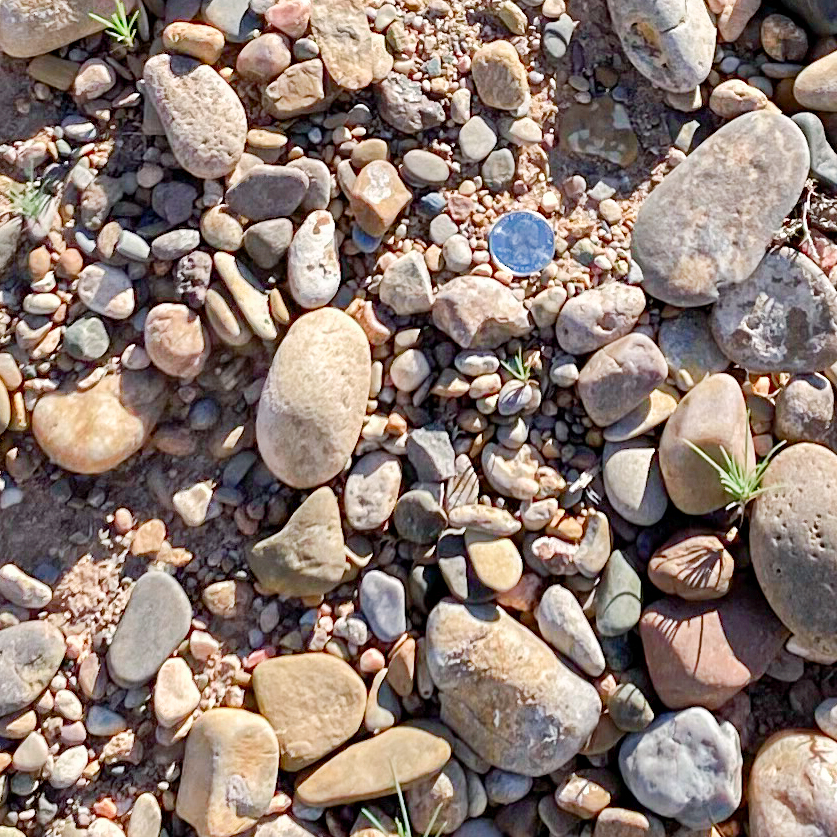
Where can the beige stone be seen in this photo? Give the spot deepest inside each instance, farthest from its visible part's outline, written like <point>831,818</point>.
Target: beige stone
<point>298,91</point>
<point>341,31</point>
<point>176,340</point>
<point>377,197</point>
<point>194,39</point>
<point>175,694</point>
<point>496,561</point>
<point>500,76</point>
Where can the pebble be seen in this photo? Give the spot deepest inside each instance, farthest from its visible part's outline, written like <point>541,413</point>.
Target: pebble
<point>563,625</point>
<point>31,754</point>
<point>371,490</point>
<point>104,722</point>
<point>23,590</point>
<point>377,197</point>
<point>477,139</point>
<point>382,601</point>
<point>629,708</point>
<point>823,156</point>
<point>266,192</point>
<point>421,168</point>
<point>297,91</point>
<point>689,348</point>
<point>498,170</point>
<point>406,286</point>
<point>195,40</point>
<point>409,370</point>
<point>825,716</point>
<point>418,517</point>
<point>248,295</point>
<point>175,244</point>
<point>695,567</point>
<point>651,413</point>
<point>146,817</point>
<point>804,409</point>
<point>106,290</point>
<point>457,253</point>
<point>444,797</point>
<point>496,562</point>
<point>618,597</point>
<point>176,341</point>
<point>68,767</point>
<point>499,76</point>
<point>290,16</point>
<point>267,241</point>
<point>175,693</point>
<point>342,33</point>
<point>264,58</point>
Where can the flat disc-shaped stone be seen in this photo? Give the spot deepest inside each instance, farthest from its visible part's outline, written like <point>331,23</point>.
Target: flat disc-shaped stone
<point>522,242</point>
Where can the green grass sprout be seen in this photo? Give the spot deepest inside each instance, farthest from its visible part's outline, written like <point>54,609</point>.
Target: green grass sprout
<point>29,199</point>
<point>402,823</point>
<point>518,367</point>
<point>119,26</point>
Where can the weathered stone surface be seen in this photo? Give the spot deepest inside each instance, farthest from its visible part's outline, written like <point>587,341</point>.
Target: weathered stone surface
<point>804,409</point>
<point>201,114</point>
<point>710,416</point>
<point>34,27</point>
<point>671,43</point>
<point>793,786</point>
<point>266,192</point>
<point>312,406</point>
<point>793,542</point>
<point>91,431</point>
<point>176,340</point>
<point>447,792</point>
<point>633,481</point>
<point>406,285</point>
<point>685,765</point>
<point>372,490</point>
<point>479,313</point>
<point>782,319</point>
<point>708,224</point>
<point>402,103</point>
<point>306,557</point>
<point>694,566</point>
<point>704,653</point>
<point>413,752</point>
<point>619,377</point>
<point>229,772</point>
<point>689,348</point>
<point>499,76</point>
<point>107,290</point>
<point>815,87</point>
<point>342,33</point>
<point>299,90</point>
<point>314,703</point>
<point>504,691</point>
<point>30,654</point>
<point>378,195</point>
<point>313,262</point>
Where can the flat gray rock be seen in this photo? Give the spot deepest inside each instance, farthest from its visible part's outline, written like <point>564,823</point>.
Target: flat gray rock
<point>30,654</point>
<point>267,192</point>
<point>154,623</point>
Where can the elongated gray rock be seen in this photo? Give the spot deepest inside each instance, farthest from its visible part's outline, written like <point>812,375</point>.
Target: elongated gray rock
<point>710,221</point>
<point>201,114</point>
<point>313,403</point>
<point>504,691</point>
<point>30,654</point>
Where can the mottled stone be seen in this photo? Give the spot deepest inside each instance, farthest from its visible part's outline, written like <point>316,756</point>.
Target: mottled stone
<point>30,654</point>
<point>342,33</point>
<point>695,567</point>
<point>689,348</point>
<point>372,490</point>
<point>633,481</point>
<point>499,76</point>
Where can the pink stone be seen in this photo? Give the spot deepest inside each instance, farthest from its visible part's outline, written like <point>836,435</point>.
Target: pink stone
<point>290,16</point>
<point>258,656</point>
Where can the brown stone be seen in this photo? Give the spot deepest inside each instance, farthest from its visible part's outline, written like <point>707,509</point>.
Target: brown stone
<point>299,90</point>
<point>499,76</point>
<point>693,566</point>
<point>341,31</point>
<point>377,197</point>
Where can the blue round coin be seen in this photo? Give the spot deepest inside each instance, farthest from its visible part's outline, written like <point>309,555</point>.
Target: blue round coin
<point>522,242</point>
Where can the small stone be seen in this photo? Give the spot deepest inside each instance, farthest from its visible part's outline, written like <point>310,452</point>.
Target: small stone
<point>402,104</point>
<point>176,341</point>
<point>620,822</point>
<point>104,722</point>
<point>651,413</point>
<point>498,170</point>
<point>823,156</point>
<point>31,754</point>
<point>175,693</point>
<point>372,490</point>
<point>602,130</point>
<point>804,409</point>
<point>696,567</point>
<point>511,473</point>
<point>23,590</point>
<point>248,294</point>
<point>563,625</point>
<point>485,519</point>
<point>500,76</point>
<point>290,17</point>
<point>266,192</point>
<point>175,244</point>
<point>297,91</point>
<point>406,286</point>
<point>264,58</point>
<point>382,602</point>
<point>377,197</point>
<point>496,562</point>
<point>68,767</point>
<point>733,97</point>
<point>418,517</point>
<point>30,654</point>
<point>505,788</point>
<point>195,40</point>
<point>94,78</point>
<point>409,370</point>
<point>457,254</point>
<point>194,503</point>
<point>267,241</point>
<point>477,139</point>
<point>106,290</point>
<point>146,817</point>
<point>424,168</point>
<point>689,348</point>
<point>618,597</point>
<point>629,708</point>
<point>447,792</point>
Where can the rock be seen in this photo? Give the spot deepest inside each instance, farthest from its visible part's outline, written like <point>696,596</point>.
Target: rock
<point>383,603</point>
<point>594,318</point>
<point>689,348</point>
<point>402,104</point>
<point>92,431</point>
<point>267,241</point>
<point>68,768</point>
<point>298,91</point>
<point>804,409</point>
<point>412,752</point>
<point>106,290</point>
<point>323,412</point>
<point>233,17</point>
<point>498,683</point>
<point>602,130</point>
<point>201,114</point>
<point>498,169</point>
<point>651,413</point>
<point>290,17</point>
<point>695,567</point>
<point>711,416</point>
<point>409,370</point>
<point>685,765</point>
<point>671,44</point>
<point>377,197</point>
<point>229,772</point>
<point>826,717</point>
<point>633,481</point>
<point>819,14</point>
<point>734,97</point>
<point>313,263</point>
<point>477,139</point>
<point>263,59</point>
<point>23,590</point>
<point>175,694</point>
<point>823,156</point>
<point>791,534</point>
<point>175,244</point>
<point>104,722</point>
<point>618,597</point>
<point>499,76</point>
<point>287,689</point>
<point>448,792</point>
<point>511,473</point>
<point>619,377</point>
<point>306,557</point>
<point>496,562</point>
<point>629,708</point>
<point>620,822</point>
<point>342,33</point>
<point>686,254</point>
<point>485,519</point>
<point>479,313</point>
<point>266,192</point>
<point>156,620</point>
<point>814,87</point>
<point>782,319</point>
<point>176,341</point>
<point>174,201</point>
<point>36,28</point>
<point>431,453</point>
<point>704,653</point>
<point>195,503</point>
<point>196,40</point>
<point>563,625</point>
<point>372,490</point>
<point>457,572</point>
<point>406,286</point>
<point>792,786</point>
<point>318,194</point>
<point>418,517</point>
<point>249,295</point>
<point>424,168</point>
<point>94,78</point>
<point>457,254</point>
<point>30,654</point>
<point>146,817</point>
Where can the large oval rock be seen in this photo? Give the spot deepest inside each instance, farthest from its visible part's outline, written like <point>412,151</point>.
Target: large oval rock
<point>708,224</point>
<point>36,27</point>
<point>201,114</point>
<point>704,653</point>
<point>504,692</point>
<point>782,319</point>
<point>671,42</point>
<point>793,786</point>
<point>793,542</point>
<point>314,703</point>
<point>814,87</point>
<point>313,403</point>
<point>30,654</point>
<point>711,416</point>
<point>91,431</point>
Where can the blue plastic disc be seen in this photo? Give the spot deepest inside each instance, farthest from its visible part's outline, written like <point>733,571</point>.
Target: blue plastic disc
<point>522,242</point>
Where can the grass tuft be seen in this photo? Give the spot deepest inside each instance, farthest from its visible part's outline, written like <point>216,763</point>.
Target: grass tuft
<point>402,823</point>
<point>518,367</point>
<point>119,26</point>
<point>29,199</point>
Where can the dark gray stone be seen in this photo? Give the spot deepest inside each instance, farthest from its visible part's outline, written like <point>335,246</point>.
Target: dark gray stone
<point>823,156</point>
<point>174,201</point>
<point>418,517</point>
<point>618,597</point>
<point>175,244</point>
<point>402,104</point>
<point>820,15</point>
<point>267,241</point>
<point>268,192</point>
<point>430,452</point>
<point>30,654</point>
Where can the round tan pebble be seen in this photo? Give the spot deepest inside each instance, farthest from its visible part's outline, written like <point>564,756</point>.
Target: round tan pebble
<point>371,661</point>
<point>610,211</point>
<point>149,537</point>
<point>782,39</point>
<point>195,39</point>
<point>70,263</point>
<point>123,520</point>
<point>734,97</point>
<point>39,263</point>
<point>176,341</point>
<point>219,229</point>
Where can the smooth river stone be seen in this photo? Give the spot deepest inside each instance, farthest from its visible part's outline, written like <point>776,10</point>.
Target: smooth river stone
<point>793,786</point>
<point>313,403</point>
<point>287,689</point>
<point>695,566</point>
<point>36,27</point>
<point>155,621</point>
<point>710,221</point>
<point>793,543</point>
<point>30,654</point>
<point>201,114</point>
<point>504,692</point>
<point>341,31</point>
<point>94,430</point>
<point>412,752</point>
<point>704,653</point>
<point>782,319</point>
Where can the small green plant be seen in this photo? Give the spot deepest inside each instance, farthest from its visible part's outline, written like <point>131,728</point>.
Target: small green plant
<point>737,479</point>
<point>518,367</point>
<point>119,26</point>
<point>402,823</point>
<point>29,199</point>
